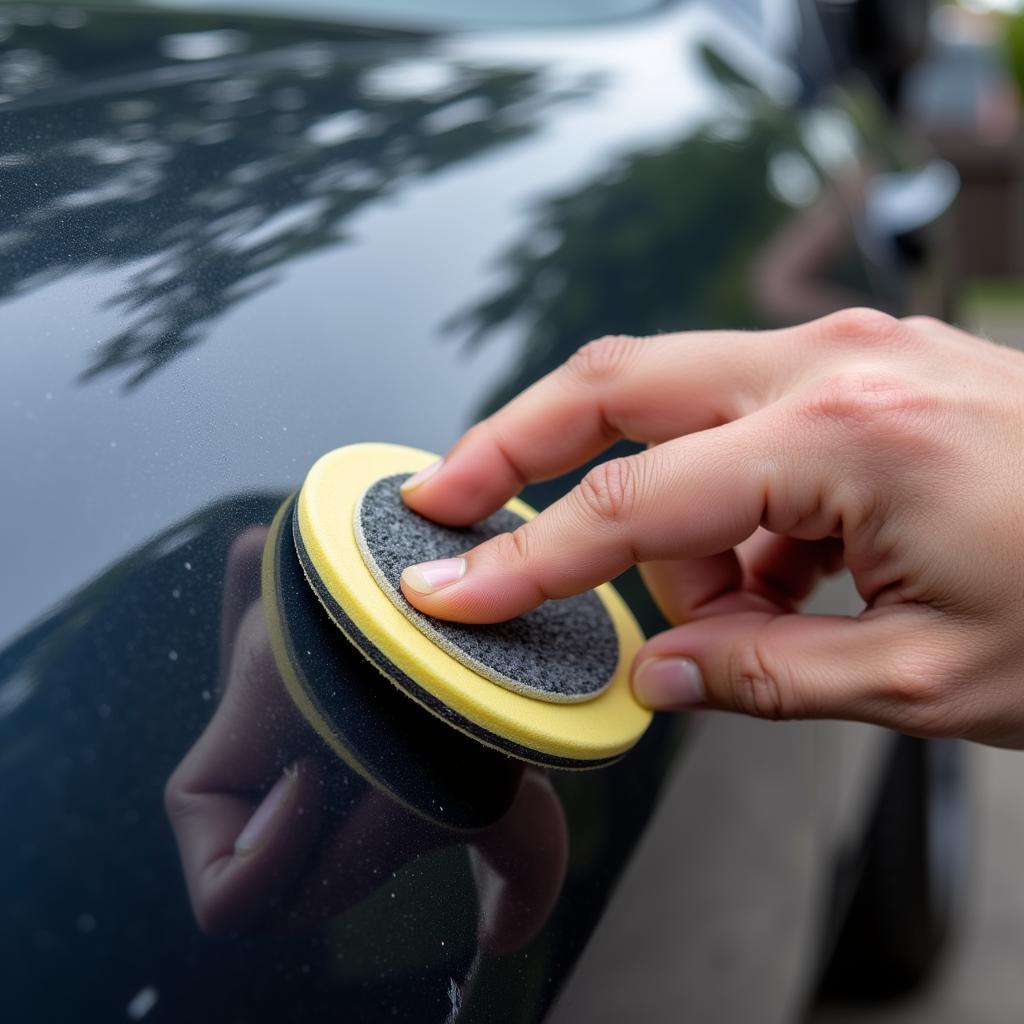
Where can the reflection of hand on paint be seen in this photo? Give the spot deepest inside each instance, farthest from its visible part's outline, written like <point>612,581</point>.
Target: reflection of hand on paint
<point>250,805</point>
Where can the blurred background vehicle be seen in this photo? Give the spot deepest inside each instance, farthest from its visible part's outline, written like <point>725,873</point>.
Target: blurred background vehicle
<point>236,235</point>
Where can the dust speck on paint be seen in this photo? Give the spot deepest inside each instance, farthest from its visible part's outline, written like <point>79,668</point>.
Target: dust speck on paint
<point>142,1002</point>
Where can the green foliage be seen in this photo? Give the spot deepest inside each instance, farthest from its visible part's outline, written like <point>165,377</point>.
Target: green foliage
<point>1013,45</point>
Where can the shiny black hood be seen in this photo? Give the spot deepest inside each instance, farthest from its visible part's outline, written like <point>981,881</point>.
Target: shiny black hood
<point>226,246</point>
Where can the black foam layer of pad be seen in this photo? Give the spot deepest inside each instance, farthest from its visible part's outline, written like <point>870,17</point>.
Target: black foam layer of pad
<point>563,651</point>
<point>443,775</point>
<point>409,686</point>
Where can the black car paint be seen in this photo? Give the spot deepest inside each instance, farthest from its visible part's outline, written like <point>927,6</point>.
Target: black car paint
<point>217,264</point>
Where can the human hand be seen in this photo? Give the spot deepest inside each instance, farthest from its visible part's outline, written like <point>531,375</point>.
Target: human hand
<point>893,448</point>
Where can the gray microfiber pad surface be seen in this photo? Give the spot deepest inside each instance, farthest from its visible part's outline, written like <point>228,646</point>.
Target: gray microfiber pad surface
<point>562,651</point>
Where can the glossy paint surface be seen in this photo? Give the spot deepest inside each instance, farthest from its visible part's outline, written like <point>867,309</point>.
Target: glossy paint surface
<point>228,245</point>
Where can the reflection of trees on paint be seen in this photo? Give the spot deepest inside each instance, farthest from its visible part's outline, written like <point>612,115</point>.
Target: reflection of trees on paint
<point>667,239</point>
<point>648,248</point>
<point>118,144</point>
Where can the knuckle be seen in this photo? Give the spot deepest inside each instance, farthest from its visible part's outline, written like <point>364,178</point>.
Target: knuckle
<point>479,434</point>
<point>865,327</point>
<point>172,790</point>
<point>179,802</point>
<point>923,322</point>
<point>609,493</point>
<point>869,401</point>
<point>910,685</point>
<point>513,548</point>
<point>489,436</point>
<point>602,360</point>
<point>922,688</point>
<point>761,684</point>
<point>918,708</point>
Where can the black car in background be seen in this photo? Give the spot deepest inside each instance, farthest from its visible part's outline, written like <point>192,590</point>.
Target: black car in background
<point>235,235</point>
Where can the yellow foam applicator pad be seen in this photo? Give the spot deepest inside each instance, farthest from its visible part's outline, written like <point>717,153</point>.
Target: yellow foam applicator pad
<point>574,735</point>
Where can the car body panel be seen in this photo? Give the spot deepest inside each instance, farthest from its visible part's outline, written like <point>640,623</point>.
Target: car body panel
<point>231,244</point>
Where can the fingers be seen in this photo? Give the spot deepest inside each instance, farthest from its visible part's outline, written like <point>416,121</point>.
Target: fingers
<point>359,849</point>
<point>880,667</point>
<point>241,588</point>
<point>766,572</point>
<point>785,570</point>
<point>518,862</point>
<point>256,706</point>
<point>682,587</point>
<point>240,855</point>
<point>242,824</point>
<point>690,498</point>
<point>670,501</point>
<point>646,389</point>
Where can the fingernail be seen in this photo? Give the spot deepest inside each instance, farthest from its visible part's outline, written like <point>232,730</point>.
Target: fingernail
<point>258,827</point>
<point>667,683</point>
<point>422,476</point>
<point>429,577</point>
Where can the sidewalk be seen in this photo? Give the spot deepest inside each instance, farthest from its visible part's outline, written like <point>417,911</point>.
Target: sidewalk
<point>982,977</point>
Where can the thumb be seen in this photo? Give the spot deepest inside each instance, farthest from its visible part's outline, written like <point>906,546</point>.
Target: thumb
<point>881,667</point>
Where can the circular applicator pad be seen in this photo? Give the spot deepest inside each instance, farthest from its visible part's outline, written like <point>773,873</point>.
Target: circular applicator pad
<point>552,687</point>
<point>386,739</point>
<point>563,651</point>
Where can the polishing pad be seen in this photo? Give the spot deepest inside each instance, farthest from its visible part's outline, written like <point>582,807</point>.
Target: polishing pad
<point>551,687</point>
<point>386,739</point>
<point>562,651</point>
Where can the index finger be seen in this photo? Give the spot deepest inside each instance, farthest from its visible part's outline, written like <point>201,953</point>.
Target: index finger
<point>643,389</point>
